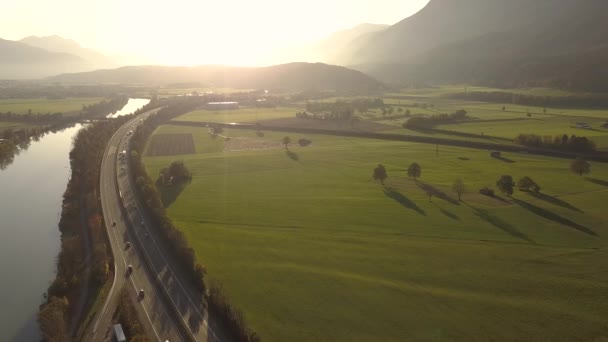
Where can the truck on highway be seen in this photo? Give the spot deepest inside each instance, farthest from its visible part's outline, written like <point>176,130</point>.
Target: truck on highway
<point>119,334</point>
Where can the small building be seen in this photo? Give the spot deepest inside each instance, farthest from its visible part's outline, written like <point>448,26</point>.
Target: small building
<point>222,106</point>
<point>583,125</point>
<point>495,154</point>
<point>119,335</point>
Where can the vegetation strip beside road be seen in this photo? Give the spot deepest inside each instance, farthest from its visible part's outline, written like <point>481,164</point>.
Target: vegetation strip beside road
<point>602,157</point>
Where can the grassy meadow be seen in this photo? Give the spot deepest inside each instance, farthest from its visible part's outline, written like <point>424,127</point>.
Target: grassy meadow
<point>312,249</point>
<point>240,115</point>
<point>43,105</point>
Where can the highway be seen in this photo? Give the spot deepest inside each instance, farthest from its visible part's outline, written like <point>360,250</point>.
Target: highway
<point>170,309</point>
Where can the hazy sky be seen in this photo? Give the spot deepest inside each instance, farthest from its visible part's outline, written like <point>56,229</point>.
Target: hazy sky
<point>244,32</point>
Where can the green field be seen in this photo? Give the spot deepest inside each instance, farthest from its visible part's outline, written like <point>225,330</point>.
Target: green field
<point>169,91</point>
<point>461,88</point>
<point>311,249</point>
<point>240,115</point>
<point>489,119</point>
<point>43,105</point>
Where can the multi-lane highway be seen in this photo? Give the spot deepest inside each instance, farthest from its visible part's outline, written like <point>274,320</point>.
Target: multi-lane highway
<point>171,308</point>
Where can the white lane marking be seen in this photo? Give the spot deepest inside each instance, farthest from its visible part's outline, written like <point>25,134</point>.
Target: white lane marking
<point>166,263</point>
<point>133,283</point>
<point>109,152</point>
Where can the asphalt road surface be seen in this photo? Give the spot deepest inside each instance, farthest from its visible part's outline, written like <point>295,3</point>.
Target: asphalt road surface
<point>170,309</point>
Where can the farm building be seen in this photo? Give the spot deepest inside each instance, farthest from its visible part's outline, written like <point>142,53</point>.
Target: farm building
<point>583,125</point>
<point>222,106</point>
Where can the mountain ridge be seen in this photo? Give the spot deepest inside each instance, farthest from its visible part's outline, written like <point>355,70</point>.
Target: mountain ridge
<point>514,43</point>
<point>292,76</point>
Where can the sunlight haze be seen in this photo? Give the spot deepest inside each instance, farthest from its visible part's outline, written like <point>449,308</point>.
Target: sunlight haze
<point>197,32</point>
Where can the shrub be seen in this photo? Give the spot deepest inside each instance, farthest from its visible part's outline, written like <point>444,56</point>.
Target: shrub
<point>487,192</point>
<point>304,142</point>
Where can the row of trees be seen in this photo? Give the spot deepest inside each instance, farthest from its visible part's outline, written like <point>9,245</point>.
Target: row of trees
<point>505,183</point>
<point>79,197</point>
<point>559,142</point>
<point>230,317</point>
<point>415,171</point>
<point>578,101</point>
<point>380,173</point>
<point>440,119</point>
<point>104,107</point>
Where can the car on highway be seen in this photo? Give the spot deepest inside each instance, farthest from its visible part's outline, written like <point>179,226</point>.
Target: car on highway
<point>114,224</point>
<point>129,270</point>
<point>128,244</point>
<point>141,294</point>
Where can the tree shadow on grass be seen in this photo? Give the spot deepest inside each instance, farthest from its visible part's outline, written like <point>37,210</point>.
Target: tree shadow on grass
<point>404,201</point>
<point>169,194</point>
<point>597,181</point>
<point>292,155</point>
<point>500,224</point>
<point>549,215</point>
<point>448,214</point>
<point>506,160</point>
<point>428,188</point>
<point>555,201</point>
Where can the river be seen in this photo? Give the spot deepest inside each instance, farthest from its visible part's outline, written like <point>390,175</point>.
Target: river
<point>31,190</point>
<point>130,107</point>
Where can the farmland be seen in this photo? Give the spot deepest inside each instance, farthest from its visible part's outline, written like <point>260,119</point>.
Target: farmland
<point>310,248</point>
<point>43,105</point>
<point>241,115</point>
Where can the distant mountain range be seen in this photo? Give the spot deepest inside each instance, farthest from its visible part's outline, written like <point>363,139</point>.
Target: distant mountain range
<point>62,45</point>
<point>19,60</point>
<point>560,43</point>
<point>290,77</point>
<point>37,57</point>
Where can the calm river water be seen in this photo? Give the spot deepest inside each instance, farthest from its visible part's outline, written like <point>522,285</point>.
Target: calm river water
<point>31,191</point>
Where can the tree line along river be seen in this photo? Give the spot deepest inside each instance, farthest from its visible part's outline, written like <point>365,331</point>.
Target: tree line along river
<point>31,191</point>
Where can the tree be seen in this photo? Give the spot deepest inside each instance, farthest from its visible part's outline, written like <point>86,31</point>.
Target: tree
<point>458,187</point>
<point>408,112</point>
<point>380,173</point>
<point>286,141</point>
<point>505,184</point>
<point>414,171</point>
<point>580,166</point>
<point>526,183</point>
<point>504,108</point>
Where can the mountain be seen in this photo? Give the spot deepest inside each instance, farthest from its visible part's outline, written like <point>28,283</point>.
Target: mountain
<point>62,45</point>
<point>331,48</point>
<point>291,77</point>
<point>19,61</point>
<point>504,43</point>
